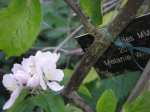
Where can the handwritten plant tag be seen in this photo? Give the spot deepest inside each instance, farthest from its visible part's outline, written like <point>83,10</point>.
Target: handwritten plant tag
<point>130,52</point>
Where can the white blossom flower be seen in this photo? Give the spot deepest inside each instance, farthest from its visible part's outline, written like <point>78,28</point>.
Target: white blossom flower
<point>39,71</point>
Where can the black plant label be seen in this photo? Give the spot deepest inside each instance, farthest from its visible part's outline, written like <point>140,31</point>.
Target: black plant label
<point>130,52</point>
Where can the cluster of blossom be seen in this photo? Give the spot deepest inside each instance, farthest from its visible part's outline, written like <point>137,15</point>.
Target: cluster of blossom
<point>35,72</point>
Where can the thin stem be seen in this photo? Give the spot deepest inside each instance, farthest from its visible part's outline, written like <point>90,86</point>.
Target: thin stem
<point>68,38</point>
<point>84,20</point>
<point>79,102</point>
<point>76,51</point>
<point>142,82</point>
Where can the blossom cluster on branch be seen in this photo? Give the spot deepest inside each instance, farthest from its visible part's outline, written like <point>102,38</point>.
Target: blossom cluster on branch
<point>36,72</point>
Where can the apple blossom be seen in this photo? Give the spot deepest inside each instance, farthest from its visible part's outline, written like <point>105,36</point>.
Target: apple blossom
<point>36,72</point>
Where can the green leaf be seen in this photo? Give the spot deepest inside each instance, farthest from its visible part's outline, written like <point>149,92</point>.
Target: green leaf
<point>19,26</point>
<point>121,85</point>
<point>49,102</point>
<point>107,18</point>
<point>72,108</point>
<point>141,104</point>
<point>68,73</point>
<point>55,102</point>
<point>25,106</point>
<point>84,91</point>
<point>107,102</point>
<point>92,75</point>
<point>41,101</point>
<point>92,8</point>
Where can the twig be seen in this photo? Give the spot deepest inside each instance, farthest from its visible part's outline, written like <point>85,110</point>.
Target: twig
<point>68,38</point>
<point>145,8</point>
<point>141,83</point>
<point>84,20</point>
<point>107,7</point>
<point>125,16</point>
<point>76,51</point>
<point>79,102</point>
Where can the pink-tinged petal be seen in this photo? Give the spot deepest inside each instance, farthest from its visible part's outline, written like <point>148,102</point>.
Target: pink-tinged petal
<point>55,86</point>
<point>16,67</point>
<point>21,77</point>
<point>12,99</point>
<point>33,82</point>
<point>9,82</point>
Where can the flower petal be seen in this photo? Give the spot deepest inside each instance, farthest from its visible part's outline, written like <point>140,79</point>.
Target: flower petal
<point>9,82</point>
<point>12,99</point>
<point>33,82</point>
<point>47,58</point>
<point>21,77</point>
<point>55,86</point>
<point>54,74</point>
<point>55,57</point>
<point>29,65</point>
<point>59,75</point>
<point>41,79</point>
<point>16,67</point>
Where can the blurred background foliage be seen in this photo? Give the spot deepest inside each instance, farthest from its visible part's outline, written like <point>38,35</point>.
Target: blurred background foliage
<point>58,22</point>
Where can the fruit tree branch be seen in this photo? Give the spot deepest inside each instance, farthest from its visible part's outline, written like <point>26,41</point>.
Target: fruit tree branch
<point>101,43</point>
<point>144,79</point>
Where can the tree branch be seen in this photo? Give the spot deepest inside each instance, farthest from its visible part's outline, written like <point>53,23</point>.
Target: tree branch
<point>84,20</point>
<point>141,83</point>
<point>79,102</point>
<point>125,16</point>
<point>101,43</point>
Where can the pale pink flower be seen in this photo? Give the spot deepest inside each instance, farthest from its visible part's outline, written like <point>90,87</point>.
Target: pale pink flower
<point>37,71</point>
